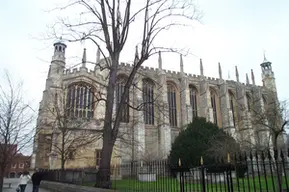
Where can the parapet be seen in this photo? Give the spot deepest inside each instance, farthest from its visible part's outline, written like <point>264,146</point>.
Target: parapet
<point>151,71</point>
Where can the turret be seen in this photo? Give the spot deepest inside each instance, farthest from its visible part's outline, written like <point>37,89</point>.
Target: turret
<point>46,106</point>
<point>59,52</point>
<point>266,68</point>
<point>58,59</point>
<point>268,75</point>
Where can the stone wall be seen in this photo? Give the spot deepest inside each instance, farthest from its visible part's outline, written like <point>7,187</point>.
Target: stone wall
<point>60,187</point>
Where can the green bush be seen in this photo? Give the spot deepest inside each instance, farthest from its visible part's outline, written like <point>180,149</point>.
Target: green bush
<point>203,139</point>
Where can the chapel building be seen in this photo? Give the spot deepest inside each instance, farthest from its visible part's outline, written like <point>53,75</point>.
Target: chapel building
<point>169,101</point>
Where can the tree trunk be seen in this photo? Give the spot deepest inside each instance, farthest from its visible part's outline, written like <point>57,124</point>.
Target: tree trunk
<point>103,175</point>
<point>109,134</point>
<point>63,151</point>
<point>62,162</point>
<point>1,180</point>
<point>278,165</point>
<point>279,171</point>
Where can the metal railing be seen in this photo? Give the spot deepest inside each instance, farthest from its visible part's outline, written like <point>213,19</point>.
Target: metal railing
<point>250,172</point>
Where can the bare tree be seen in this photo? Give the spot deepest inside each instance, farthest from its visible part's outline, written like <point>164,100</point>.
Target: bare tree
<point>70,134</point>
<point>107,24</point>
<point>16,116</point>
<point>269,120</point>
<point>222,144</point>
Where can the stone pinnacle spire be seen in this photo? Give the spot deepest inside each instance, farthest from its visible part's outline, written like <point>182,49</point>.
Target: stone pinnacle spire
<point>252,77</point>
<point>181,63</point>
<point>98,55</point>
<point>237,73</point>
<point>201,67</point>
<point>220,71</point>
<point>136,57</point>
<point>84,58</point>
<point>247,79</point>
<point>160,61</point>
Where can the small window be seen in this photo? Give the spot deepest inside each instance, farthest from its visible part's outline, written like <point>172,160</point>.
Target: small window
<point>71,155</point>
<point>14,165</point>
<point>97,156</point>
<point>21,165</point>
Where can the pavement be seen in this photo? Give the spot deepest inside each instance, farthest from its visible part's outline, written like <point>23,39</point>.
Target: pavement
<point>15,184</point>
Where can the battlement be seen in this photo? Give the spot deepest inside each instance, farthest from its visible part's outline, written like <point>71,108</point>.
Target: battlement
<point>152,70</point>
<point>146,68</point>
<point>79,71</point>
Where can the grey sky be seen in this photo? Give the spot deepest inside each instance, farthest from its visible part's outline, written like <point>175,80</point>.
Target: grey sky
<point>233,32</point>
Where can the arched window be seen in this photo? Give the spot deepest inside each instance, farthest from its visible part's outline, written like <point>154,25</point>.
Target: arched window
<point>148,100</point>
<point>80,100</point>
<point>193,100</point>
<point>124,113</point>
<point>249,101</point>
<point>171,90</point>
<point>214,105</point>
<point>232,107</point>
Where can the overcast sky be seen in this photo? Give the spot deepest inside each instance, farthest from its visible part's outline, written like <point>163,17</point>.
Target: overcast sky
<point>233,32</point>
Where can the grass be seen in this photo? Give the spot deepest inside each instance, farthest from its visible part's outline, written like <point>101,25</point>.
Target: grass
<point>172,185</point>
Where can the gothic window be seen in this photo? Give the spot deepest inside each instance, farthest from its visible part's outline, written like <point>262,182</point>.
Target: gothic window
<point>124,113</point>
<point>193,100</point>
<point>232,107</point>
<point>172,105</point>
<point>248,102</point>
<point>148,100</point>
<point>80,101</point>
<point>214,105</point>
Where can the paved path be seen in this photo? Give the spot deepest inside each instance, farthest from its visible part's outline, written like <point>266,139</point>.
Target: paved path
<point>15,184</point>
<point>28,189</point>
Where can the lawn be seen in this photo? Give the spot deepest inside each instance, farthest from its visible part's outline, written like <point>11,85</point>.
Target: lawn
<point>172,185</point>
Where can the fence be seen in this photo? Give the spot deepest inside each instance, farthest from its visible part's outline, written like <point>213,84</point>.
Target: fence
<point>246,172</point>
